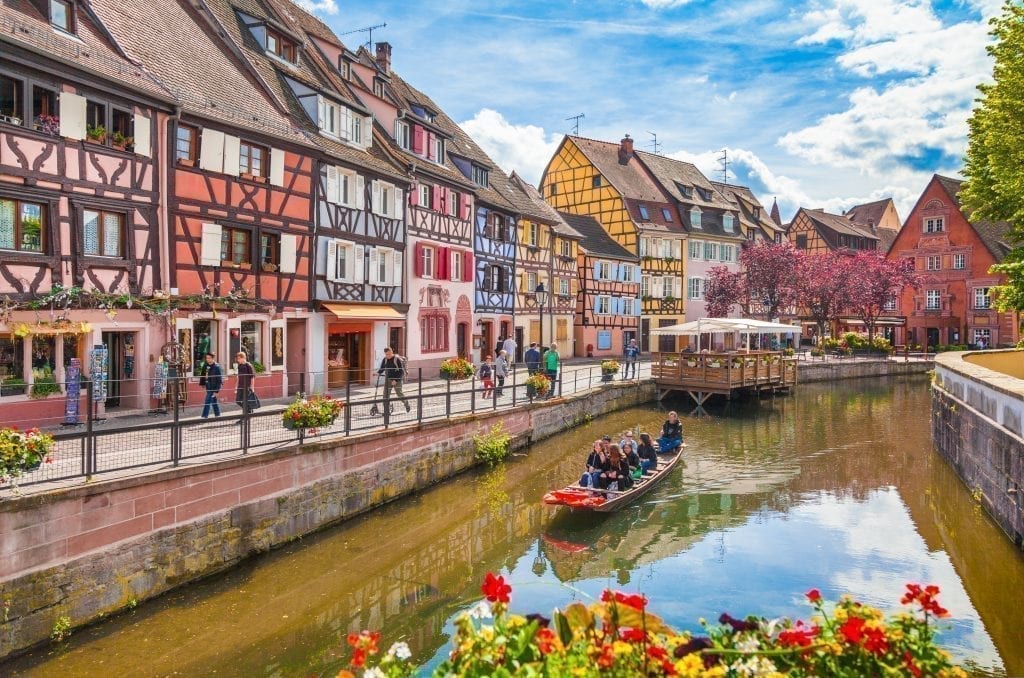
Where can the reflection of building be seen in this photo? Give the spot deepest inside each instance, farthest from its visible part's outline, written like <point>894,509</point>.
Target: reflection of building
<point>953,305</point>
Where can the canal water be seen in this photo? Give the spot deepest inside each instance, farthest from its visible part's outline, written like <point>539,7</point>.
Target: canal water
<point>837,487</point>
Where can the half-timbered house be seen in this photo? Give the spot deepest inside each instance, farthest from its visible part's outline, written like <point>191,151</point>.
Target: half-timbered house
<point>816,231</point>
<point>609,182</point>
<point>756,224</point>
<point>239,186</point>
<point>608,304</point>
<point>952,254</point>
<point>359,287</point>
<point>80,184</point>
<point>440,210</point>
<point>547,254</point>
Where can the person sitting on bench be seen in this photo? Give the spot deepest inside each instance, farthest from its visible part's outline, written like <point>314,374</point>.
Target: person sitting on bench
<point>596,461</point>
<point>616,471</point>
<point>648,455</point>
<point>671,434</point>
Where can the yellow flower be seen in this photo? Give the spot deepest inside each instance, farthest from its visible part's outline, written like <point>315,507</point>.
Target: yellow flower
<point>840,614</point>
<point>714,672</point>
<point>622,648</point>
<point>690,666</point>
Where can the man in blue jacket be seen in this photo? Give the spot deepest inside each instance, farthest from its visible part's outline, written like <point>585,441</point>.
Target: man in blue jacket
<point>213,379</point>
<point>632,354</point>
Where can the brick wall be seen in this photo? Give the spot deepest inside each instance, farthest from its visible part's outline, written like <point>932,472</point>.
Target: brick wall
<point>831,370</point>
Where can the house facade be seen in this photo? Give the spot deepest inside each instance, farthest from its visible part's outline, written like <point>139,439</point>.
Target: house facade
<point>816,231</point>
<point>756,224</point>
<point>608,306</point>
<point>952,255</point>
<point>80,212</point>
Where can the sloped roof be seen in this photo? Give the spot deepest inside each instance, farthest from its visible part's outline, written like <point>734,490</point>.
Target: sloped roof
<point>549,214</point>
<point>595,239</point>
<point>993,234</point>
<point>746,202</point>
<point>838,224</point>
<point>671,173</point>
<point>23,25</point>
<point>869,214</point>
<point>775,214</point>
<point>886,239</point>
<point>631,179</point>
<point>952,187</point>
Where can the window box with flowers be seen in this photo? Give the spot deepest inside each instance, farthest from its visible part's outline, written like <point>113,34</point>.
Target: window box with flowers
<point>47,124</point>
<point>96,135</point>
<point>609,368</point>
<point>314,412</point>
<point>121,142</point>
<point>455,369</point>
<point>22,452</point>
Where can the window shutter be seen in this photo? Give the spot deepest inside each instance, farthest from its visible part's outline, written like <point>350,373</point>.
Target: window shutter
<point>417,263</point>
<point>467,206</point>
<point>441,263</point>
<point>360,193</point>
<point>231,155</point>
<point>430,146</point>
<point>357,273</point>
<point>615,271</point>
<point>417,140</point>
<point>72,115</point>
<point>333,190</point>
<point>435,197</point>
<point>367,141</point>
<point>399,205</point>
<point>288,253</point>
<point>344,123</point>
<point>677,249</point>
<point>486,282</point>
<point>574,287</point>
<point>375,196</point>
<point>141,132</point>
<point>374,266</point>
<point>211,151</point>
<point>331,271</point>
<point>276,167</point>
<point>467,263</point>
<point>396,269</point>
<point>321,113</point>
<point>210,250</point>
<point>414,195</point>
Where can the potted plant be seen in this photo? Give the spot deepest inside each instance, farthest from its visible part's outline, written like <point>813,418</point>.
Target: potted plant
<point>788,352</point>
<point>608,369</point>
<point>817,353</point>
<point>268,267</point>
<point>22,451</point>
<point>457,368</point>
<point>539,384</point>
<point>43,383</point>
<point>12,386</point>
<point>47,124</point>
<point>120,141</point>
<point>258,367</point>
<point>691,362</point>
<point>96,135</point>
<point>309,413</point>
<point>715,363</point>
<point>670,260</point>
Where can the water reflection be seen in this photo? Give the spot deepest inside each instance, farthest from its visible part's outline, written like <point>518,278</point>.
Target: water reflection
<point>836,488</point>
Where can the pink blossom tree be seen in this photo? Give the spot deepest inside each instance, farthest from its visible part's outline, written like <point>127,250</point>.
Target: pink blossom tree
<point>823,286</point>
<point>876,281</point>
<point>723,290</point>
<point>769,272</point>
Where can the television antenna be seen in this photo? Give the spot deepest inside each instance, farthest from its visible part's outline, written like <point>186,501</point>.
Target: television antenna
<point>576,123</point>
<point>724,161</point>
<point>655,144</point>
<point>367,29</point>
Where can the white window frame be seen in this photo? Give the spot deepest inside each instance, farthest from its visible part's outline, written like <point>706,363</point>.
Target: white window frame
<point>890,304</point>
<point>694,288</point>
<point>727,223</point>
<point>696,249</point>
<point>531,282</point>
<point>566,247</point>
<point>532,233</point>
<point>695,213</point>
<point>983,333</point>
<point>725,253</point>
<point>455,265</point>
<point>603,305</point>
<point>603,270</point>
<point>982,298</point>
<point>428,255</point>
<point>645,286</point>
<point>403,135</point>
<point>627,273</point>
<point>438,150</point>
<point>933,300</point>
<point>643,246</point>
<point>933,224</point>
<point>933,263</point>
<point>959,262</point>
<point>563,287</point>
<point>710,251</point>
<point>426,198</point>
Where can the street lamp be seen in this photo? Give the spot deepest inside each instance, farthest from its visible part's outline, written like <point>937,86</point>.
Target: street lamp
<point>542,299</point>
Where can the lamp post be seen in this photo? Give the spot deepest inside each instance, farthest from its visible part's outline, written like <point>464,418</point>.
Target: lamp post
<point>542,299</point>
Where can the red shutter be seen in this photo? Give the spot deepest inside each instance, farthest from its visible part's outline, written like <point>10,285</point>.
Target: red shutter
<point>467,264</point>
<point>446,195</point>
<point>417,139</point>
<point>430,145</point>
<point>467,205</point>
<point>419,259</point>
<point>441,253</point>
<point>437,198</point>
<point>414,194</point>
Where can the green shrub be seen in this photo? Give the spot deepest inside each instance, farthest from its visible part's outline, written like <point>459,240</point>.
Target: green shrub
<point>855,340</point>
<point>494,446</point>
<point>882,344</point>
<point>829,342</point>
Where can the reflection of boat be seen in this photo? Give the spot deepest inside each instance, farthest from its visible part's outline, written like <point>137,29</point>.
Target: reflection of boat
<point>604,501</point>
<point>565,546</point>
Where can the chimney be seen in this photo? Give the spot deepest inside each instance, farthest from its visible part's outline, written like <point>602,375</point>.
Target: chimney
<point>384,56</point>
<point>625,150</point>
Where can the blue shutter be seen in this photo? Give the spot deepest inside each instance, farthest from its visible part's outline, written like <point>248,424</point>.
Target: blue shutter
<point>614,271</point>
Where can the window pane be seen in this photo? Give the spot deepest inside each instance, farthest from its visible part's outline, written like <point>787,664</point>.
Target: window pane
<point>11,357</point>
<point>60,16</point>
<point>7,208</point>
<point>184,143</point>
<point>112,235</point>
<point>243,158</point>
<point>91,231</point>
<point>251,340</point>
<point>31,227</point>
<point>10,97</point>
<point>257,161</point>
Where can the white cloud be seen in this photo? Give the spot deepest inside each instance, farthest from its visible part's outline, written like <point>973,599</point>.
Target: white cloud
<point>523,148</point>
<point>323,6</point>
<point>664,4</point>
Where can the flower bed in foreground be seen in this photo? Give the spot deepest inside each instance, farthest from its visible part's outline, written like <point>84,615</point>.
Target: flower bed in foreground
<point>618,636</point>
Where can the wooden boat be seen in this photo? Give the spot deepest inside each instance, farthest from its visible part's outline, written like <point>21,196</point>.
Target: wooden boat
<point>605,501</point>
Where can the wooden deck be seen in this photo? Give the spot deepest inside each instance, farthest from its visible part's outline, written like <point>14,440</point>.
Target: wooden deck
<point>705,374</point>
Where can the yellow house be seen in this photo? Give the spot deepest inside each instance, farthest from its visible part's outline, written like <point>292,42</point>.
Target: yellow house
<point>610,183</point>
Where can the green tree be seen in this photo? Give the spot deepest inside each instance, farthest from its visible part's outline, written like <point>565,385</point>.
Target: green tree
<point>994,164</point>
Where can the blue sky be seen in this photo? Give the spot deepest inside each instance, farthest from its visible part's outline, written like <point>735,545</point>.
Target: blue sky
<point>822,103</point>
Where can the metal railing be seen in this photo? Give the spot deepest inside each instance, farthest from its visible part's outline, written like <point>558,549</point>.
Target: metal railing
<point>179,437</point>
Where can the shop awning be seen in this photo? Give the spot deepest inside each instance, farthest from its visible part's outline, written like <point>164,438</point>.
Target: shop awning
<point>363,312</point>
<point>890,321</point>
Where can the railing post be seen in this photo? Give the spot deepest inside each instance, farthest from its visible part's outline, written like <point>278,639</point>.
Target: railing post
<point>472,395</point>
<point>90,443</point>
<point>448,398</point>
<point>560,373</point>
<point>419,395</point>
<point>348,405</point>
<point>513,388</point>
<point>387,401</point>
<point>245,423</point>
<point>175,429</point>
<point>302,382</point>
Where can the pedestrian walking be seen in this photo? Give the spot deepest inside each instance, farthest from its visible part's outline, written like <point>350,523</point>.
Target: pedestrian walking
<point>501,371</point>
<point>245,397</point>
<point>551,363</point>
<point>213,380</point>
<point>532,359</point>
<point>632,355</point>
<point>392,367</point>
<point>509,346</point>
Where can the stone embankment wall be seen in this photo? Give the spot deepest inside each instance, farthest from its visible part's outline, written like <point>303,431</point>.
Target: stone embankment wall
<point>830,370</point>
<point>87,551</point>
<point>977,415</point>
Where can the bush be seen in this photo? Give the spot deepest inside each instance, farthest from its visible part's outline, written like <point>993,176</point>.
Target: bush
<point>457,368</point>
<point>829,343</point>
<point>882,345</point>
<point>494,446</point>
<point>43,383</point>
<point>788,352</point>
<point>855,340</point>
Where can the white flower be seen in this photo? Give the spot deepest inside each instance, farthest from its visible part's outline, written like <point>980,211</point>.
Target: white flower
<point>400,650</point>
<point>754,666</point>
<point>481,610</point>
<point>748,644</point>
<point>374,673</point>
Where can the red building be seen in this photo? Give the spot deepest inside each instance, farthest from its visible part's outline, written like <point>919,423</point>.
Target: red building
<point>953,255</point>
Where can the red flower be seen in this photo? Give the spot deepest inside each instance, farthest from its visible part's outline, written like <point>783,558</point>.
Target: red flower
<point>495,588</point>
<point>546,641</point>
<point>632,635</point>
<point>908,661</point>
<point>656,652</point>
<point>358,658</point>
<point>926,597</point>
<point>814,595</point>
<point>852,630</point>
<point>607,657</point>
<point>798,636</point>
<point>633,600</point>
<point>875,641</point>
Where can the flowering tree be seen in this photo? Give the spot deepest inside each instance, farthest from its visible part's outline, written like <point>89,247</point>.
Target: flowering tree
<point>875,282</point>
<point>769,271</point>
<point>823,286</point>
<point>723,290</point>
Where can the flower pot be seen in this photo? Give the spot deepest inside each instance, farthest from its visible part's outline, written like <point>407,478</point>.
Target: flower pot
<point>186,162</point>
<point>13,390</point>
<point>607,376</point>
<point>269,268</point>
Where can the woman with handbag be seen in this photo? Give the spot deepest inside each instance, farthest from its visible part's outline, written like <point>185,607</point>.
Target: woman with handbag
<point>245,397</point>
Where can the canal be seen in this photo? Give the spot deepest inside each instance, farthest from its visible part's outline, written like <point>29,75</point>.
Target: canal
<point>836,487</point>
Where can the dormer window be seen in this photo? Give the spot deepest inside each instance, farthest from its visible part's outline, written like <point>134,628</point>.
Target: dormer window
<point>341,122</point>
<point>344,68</point>
<point>439,150</point>
<point>480,176</point>
<point>666,214</point>
<point>281,46</point>
<point>704,193</point>
<point>62,15</point>
<point>757,212</point>
<point>403,137</point>
<point>686,191</point>
<point>378,88</point>
<point>643,212</point>
<point>727,223</point>
<point>695,217</point>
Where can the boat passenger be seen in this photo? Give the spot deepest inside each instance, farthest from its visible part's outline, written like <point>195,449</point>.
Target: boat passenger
<point>596,461</point>
<point>671,434</point>
<point>648,455</point>
<point>616,471</point>
<point>628,447</point>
